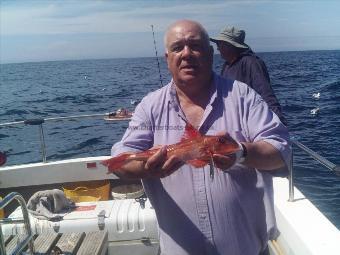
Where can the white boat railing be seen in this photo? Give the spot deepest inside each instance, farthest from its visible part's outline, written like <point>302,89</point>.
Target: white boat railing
<point>331,166</point>
<point>325,162</point>
<point>40,122</point>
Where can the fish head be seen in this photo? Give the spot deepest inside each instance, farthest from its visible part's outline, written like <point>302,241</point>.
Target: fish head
<point>220,144</point>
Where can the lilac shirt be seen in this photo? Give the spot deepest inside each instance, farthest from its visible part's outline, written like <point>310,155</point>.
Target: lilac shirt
<point>197,214</point>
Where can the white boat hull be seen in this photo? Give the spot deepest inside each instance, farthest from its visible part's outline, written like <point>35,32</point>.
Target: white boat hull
<point>304,230</point>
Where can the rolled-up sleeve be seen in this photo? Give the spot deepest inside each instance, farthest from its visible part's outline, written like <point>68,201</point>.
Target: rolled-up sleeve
<point>266,126</point>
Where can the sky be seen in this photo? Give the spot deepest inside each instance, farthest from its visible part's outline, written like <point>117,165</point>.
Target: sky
<point>46,30</point>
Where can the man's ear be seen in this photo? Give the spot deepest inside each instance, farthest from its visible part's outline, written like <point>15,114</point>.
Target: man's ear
<point>166,55</point>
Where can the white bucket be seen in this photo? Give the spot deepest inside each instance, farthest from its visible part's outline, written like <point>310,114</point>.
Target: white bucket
<point>127,191</point>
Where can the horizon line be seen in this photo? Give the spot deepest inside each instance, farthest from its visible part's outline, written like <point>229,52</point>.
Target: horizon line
<point>86,59</point>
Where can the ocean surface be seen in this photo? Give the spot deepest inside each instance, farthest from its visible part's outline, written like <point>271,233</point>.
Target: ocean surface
<point>65,88</point>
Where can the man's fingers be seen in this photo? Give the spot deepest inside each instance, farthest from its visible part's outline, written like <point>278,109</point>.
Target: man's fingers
<point>224,161</point>
<point>159,166</point>
<point>171,165</point>
<point>164,173</point>
<point>156,160</point>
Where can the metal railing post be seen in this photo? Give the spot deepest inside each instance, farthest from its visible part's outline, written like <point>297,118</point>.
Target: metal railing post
<point>40,122</point>
<point>331,166</point>
<point>42,143</point>
<point>291,180</point>
<point>325,162</point>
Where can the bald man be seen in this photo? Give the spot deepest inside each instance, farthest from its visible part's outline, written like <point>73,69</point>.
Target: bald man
<point>197,212</point>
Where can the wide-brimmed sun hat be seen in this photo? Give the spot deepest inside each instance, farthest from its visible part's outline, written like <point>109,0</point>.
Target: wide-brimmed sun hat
<point>233,36</point>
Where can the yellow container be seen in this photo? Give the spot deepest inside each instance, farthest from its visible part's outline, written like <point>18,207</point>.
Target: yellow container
<point>88,191</point>
<point>2,213</point>
<point>78,199</point>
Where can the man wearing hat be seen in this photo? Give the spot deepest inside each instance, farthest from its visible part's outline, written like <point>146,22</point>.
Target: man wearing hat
<point>242,64</point>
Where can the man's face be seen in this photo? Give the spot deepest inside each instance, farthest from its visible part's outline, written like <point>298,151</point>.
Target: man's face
<point>225,49</point>
<point>189,56</point>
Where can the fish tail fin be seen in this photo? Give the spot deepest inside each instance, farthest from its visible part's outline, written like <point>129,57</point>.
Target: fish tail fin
<point>115,163</point>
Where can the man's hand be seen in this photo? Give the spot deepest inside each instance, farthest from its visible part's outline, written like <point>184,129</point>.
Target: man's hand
<point>224,161</point>
<point>157,166</point>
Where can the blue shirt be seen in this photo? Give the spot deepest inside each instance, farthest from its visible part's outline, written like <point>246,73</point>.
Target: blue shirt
<point>197,214</point>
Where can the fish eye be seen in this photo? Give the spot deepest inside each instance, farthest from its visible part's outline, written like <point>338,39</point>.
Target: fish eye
<point>221,140</point>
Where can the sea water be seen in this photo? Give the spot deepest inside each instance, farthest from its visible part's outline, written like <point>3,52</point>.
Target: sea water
<point>65,88</point>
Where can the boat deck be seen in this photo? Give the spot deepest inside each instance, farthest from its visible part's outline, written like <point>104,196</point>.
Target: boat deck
<point>92,243</point>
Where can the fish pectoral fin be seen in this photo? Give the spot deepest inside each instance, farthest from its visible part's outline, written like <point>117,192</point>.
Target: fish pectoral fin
<point>197,162</point>
<point>190,133</point>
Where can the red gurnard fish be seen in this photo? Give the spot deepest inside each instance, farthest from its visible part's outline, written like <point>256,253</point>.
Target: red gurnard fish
<point>194,149</point>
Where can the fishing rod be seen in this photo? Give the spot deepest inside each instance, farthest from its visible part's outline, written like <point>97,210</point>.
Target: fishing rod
<point>159,69</point>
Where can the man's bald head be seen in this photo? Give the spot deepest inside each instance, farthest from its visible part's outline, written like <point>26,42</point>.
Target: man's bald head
<point>189,56</point>
<point>186,23</point>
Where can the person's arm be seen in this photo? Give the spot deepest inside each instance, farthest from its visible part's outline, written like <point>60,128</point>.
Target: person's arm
<point>261,84</point>
<point>262,155</point>
<point>139,137</point>
<point>157,166</point>
<point>265,138</point>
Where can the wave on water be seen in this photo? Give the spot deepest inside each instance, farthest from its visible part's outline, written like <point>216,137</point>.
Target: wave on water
<point>12,112</point>
<point>88,143</point>
<point>10,153</point>
<point>81,127</point>
<point>83,99</point>
<point>335,85</point>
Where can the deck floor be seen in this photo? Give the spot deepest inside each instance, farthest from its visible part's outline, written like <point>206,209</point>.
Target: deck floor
<point>52,243</point>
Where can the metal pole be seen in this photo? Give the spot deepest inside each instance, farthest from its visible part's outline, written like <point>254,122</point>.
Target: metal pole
<point>29,121</point>
<point>42,143</point>
<point>12,123</point>
<point>41,121</point>
<point>291,180</point>
<point>317,157</point>
<point>314,155</point>
<point>79,116</point>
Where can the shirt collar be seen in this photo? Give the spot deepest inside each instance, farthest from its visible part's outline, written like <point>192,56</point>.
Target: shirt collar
<point>173,100</point>
<point>214,95</point>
